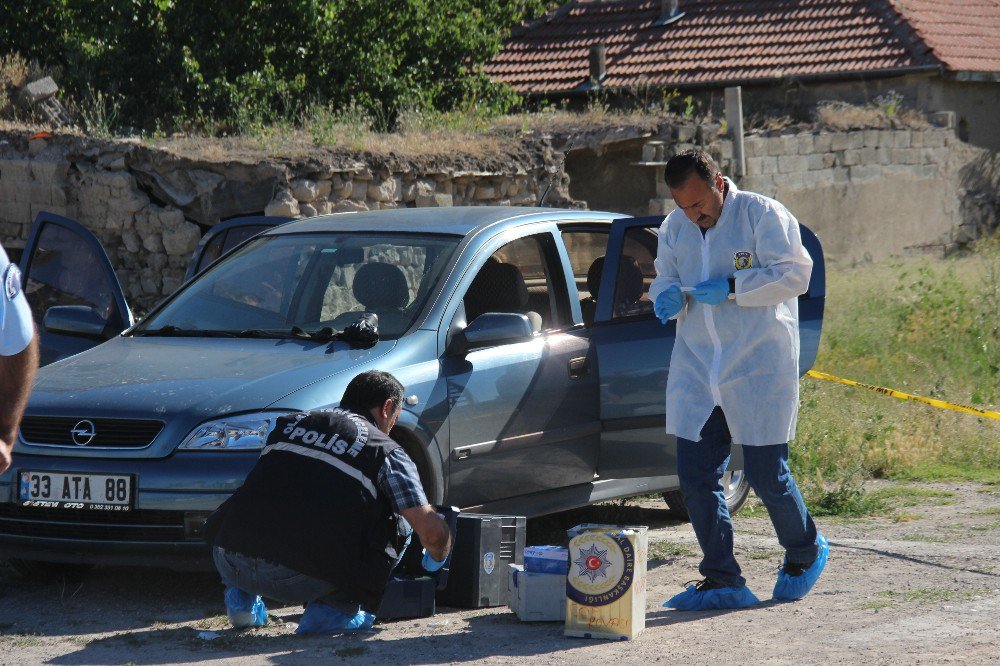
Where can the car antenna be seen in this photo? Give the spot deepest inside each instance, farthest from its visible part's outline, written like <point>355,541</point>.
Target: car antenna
<point>548,188</point>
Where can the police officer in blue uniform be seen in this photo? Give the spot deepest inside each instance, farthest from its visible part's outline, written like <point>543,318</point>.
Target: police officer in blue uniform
<point>18,356</point>
<point>325,514</point>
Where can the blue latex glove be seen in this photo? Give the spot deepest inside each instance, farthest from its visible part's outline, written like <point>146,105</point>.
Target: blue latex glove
<point>430,564</point>
<point>711,292</point>
<point>668,303</point>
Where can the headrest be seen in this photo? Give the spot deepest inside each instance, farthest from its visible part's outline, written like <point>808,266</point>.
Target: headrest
<point>630,284</point>
<point>380,286</point>
<point>497,287</point>
<point>594,277</point>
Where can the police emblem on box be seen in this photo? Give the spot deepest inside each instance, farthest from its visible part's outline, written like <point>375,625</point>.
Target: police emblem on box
<point>606,582</point>
<point>598,574</point>
<point>742,260</point>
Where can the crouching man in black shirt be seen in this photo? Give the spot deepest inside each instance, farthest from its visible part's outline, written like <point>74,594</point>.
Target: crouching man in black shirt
<point>325,514</point>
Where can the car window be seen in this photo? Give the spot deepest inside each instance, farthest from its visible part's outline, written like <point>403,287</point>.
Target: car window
<point>312,281</point>
<point>225,241</point>
<point>585,248</point>
<point>519,277</point>
<point>65,271</point>
<point>635,273</point>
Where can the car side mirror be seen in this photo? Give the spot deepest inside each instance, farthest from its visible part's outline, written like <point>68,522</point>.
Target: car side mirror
<point>78,320</point>
<point>491,329</point>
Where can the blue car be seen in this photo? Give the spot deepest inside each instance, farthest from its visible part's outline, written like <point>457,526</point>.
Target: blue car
<point>533,364</point>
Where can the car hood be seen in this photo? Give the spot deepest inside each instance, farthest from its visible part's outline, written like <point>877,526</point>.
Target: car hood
<point>148,377</point>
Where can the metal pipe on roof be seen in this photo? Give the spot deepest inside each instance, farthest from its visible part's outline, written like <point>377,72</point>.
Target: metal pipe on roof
<point>669,12</point>
<point>598,62</point>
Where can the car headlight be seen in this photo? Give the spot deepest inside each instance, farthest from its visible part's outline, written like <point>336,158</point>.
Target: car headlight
<point>243,432</point>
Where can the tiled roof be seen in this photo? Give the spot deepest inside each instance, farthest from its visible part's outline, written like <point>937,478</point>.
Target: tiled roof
<point>964,34</point>
<point>726,41</point>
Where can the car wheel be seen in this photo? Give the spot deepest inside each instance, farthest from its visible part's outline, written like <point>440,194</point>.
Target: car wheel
<point>46,571</point>
<point>735,488</point>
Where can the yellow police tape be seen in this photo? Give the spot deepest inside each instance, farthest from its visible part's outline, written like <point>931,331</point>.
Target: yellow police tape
<point>906,396</point>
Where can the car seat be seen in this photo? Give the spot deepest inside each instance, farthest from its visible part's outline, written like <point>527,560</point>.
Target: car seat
<point>381,288</point>
<point>500,287</point>
<point>589,305</point>
<point>629,288</point>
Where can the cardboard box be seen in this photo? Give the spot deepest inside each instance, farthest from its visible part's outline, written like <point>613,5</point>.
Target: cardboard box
<point>546,559</point>
<point>606,583</point>
<point>536,597</point>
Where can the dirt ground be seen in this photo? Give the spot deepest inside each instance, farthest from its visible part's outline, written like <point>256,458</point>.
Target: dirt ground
<point>922,586</point>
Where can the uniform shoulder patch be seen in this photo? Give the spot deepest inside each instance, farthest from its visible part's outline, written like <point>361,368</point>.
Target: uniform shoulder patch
<point>742,260</point>
<point>12,282</point>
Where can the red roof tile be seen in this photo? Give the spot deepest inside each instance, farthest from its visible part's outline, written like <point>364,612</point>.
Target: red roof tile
<point>722,41</point>
<point>964,34</point>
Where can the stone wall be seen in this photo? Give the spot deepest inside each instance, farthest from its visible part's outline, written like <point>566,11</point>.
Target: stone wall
<point>149,207</point>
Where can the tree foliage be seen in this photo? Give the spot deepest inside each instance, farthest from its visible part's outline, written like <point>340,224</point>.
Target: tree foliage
<point>212,63</point>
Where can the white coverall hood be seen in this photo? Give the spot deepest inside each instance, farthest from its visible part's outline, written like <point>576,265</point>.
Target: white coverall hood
<point>742,354</point>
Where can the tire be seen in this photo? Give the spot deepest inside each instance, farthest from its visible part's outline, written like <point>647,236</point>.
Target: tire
<point>48,571</point>
<point>735,487</point>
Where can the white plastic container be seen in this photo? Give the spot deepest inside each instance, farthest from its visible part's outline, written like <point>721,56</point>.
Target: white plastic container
<point>546,559</point>
<point>536,597</point>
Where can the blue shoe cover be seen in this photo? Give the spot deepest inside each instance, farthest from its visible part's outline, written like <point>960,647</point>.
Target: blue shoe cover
<point>790,588</point>
<point>244,610</point>
<point>721,598</point>
<point>320,618</point>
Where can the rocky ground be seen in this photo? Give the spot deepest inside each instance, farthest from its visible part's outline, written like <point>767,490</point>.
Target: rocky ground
<point>919,586</point>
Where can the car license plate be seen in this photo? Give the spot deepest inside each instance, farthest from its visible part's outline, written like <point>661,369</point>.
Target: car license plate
<point>62,490</point>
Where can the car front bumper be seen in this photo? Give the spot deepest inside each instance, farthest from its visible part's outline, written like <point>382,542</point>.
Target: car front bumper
<point>165,528</point>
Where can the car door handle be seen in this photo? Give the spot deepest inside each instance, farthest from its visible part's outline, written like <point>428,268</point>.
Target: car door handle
<point>578,367</point>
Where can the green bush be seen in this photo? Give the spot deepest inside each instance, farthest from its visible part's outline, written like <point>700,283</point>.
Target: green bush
<point>226,65</point>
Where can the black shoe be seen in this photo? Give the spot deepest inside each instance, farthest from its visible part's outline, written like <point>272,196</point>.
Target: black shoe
<point>706,584</point>
<point>796,568</point>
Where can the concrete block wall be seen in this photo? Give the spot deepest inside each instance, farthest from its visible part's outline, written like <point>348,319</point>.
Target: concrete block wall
<point>870,193</point>
<point>778,164</point>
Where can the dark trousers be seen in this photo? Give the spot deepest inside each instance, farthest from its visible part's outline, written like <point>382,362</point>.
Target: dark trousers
<point>700,466</point>
<point>275,581</point>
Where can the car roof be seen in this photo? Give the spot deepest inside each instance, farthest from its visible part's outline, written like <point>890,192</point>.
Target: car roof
<point>454,220</point>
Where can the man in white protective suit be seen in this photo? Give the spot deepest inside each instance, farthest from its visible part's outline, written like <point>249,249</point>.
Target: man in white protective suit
<point>734,371</point>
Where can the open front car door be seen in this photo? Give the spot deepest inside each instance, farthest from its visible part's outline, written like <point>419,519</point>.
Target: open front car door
<point>74,294</point>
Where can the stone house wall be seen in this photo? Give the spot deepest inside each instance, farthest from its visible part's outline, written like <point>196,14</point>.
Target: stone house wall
<point>869,194</point>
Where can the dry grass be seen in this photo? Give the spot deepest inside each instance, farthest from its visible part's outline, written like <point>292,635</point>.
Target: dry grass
<point>420,134</point>
<point>14,71</point>
<point>842,116</point>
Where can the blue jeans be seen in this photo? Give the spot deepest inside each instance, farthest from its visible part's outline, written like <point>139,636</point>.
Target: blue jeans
<point>278,582</point>
<point>700,466</point>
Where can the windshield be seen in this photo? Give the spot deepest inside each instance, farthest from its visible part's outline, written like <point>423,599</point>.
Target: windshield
<point>281,285</point>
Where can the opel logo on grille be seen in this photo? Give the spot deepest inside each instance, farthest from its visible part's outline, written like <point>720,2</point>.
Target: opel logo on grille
<point>83,432</point>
